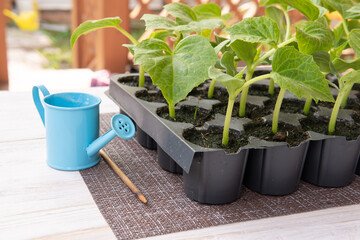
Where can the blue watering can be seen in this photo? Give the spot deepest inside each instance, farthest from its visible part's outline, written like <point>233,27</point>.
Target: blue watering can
<point>71,121</point>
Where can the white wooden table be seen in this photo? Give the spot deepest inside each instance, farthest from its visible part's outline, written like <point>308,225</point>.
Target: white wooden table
<point>38,202</point>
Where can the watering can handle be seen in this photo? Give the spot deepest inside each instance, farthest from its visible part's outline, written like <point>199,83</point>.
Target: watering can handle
<point>37,101</point>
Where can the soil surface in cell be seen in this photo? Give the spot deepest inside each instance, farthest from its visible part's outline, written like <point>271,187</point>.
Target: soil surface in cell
<point>343,128</point>
<point>286,133</point>
<point>188,114</point>
<point>133,81</point>
<point>212,138</point>
<point>151,96</point>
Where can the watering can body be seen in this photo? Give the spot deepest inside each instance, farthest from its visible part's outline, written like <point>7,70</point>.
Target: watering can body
<point>71,121</point>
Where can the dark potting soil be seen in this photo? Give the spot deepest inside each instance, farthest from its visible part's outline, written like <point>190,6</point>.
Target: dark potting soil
<point>356,87</point>
<point>356,116</point>
<point>251,111</point>
<point>286,133</point>
<point>343,128</point>
<point>290,106</point>
<point>260,72</point>
<point>212,138</point>
<point>262,90</point>
<point>133,81</point>
<point>254,111</point>
<point>151,96</point>
<point>188,114</point>
<point>351,104</point>
<point>219,94</point>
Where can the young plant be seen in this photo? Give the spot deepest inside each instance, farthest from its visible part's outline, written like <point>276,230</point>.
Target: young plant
<point>346,34</point>
<point>92,25</point>
<point>299,74</point>
<point>256,32</point>
<point>202,19</point>
<point>233,86</point>
<point>347,82</point>
<point>337,65</point>
<point>246,40</point>
<point>176,72</point>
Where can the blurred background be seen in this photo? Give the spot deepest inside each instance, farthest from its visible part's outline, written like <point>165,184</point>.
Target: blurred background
<point>35,39</point>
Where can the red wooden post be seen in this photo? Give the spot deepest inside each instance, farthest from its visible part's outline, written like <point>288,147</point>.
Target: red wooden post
<point>4,80</point>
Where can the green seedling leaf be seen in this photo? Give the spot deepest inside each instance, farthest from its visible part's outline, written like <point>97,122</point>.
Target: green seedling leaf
<point>226,17</point>
<point>255,30</point>
<point>244,50</point>
<point>342,65</point>
<point>324,20</point>
<point>207,11</point>
<point>354,41</point>
<point>232,84</point>
<point>306,7</point>
<point>198,26</point>
<point>92,25</point>
<point>181,11</point>
<point>153,21</point>
<point>227,61</point>
<point>336,52</point>
<point>322,10</point>
<point>130,47</point>
<point>354,9</point>
<point>351,78</point>
<point>162,34</point>
<point>313,36</point>
<point>339,33</point>
<point>223,46</point>
<point>323,60</point>
<point>176,72</point>
<point>158,22</point>
<point>278,16</point>
<point>353,24</point>
<point>343,7</point>
<point>299,74</point>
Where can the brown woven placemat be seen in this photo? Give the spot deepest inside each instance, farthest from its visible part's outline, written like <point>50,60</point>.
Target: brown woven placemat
<point>169,210</point>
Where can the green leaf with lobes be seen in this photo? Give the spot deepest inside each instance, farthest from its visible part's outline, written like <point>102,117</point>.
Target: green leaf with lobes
<point>227,61</point>
<point>162,34</point>
<point>354,41</point>
<point>299,74</point>
<point>313,36</point>
<point>343,65</point>
<point>181,11</point>
<point>351,78</point>
<point>232,84</point>
<point>354,9</point>
<point>306,7</point>
<point>153,21</point>
<point>278,16</point>
<point>244,50</point>
<point>323,60</point>
<point>207,11</point>
<point>130,47</point>
<point>255,30</point>
<point>92,25</point>
<point>336,52</point>
<point>176,72</point>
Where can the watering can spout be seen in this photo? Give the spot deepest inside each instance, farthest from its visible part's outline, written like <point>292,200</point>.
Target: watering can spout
<point>121,126</point>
